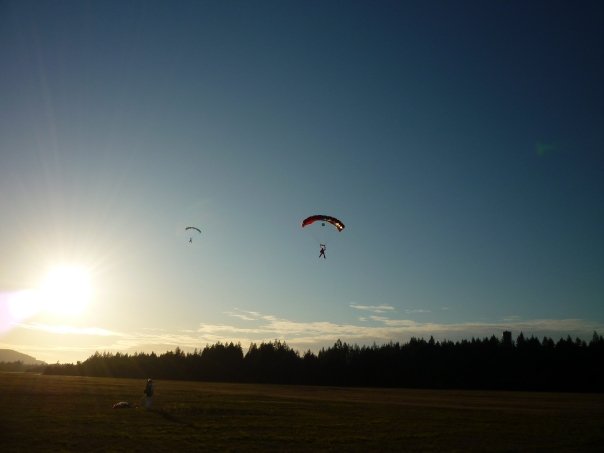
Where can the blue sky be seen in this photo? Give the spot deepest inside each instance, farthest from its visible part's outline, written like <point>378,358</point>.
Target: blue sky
<point>460,142</point>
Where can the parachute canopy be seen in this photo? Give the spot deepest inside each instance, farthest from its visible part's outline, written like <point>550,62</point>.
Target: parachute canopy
<point>323,218</point>
<point>193,228</point>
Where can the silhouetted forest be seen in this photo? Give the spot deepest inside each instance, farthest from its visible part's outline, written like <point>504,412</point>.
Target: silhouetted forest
<point>19,366</point>
<point>489,363</point>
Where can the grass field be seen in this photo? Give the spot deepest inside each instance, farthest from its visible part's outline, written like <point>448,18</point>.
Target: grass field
<point>57,413</point>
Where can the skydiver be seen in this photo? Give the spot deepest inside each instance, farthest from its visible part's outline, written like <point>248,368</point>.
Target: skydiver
<point>190,240</point>
<point>322,251</point>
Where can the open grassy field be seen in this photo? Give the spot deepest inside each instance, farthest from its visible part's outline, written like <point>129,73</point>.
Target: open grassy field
<point>56,413</point>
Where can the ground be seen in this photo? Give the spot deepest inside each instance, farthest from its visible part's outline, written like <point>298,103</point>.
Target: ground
<point>55,413</point>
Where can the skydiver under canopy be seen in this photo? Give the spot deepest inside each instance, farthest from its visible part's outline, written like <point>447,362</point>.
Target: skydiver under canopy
<point>192,228</point>
<point>322,251</point>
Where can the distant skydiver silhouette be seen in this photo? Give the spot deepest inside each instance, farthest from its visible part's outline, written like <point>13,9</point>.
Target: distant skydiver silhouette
<point>192,228</point>
<point>322,251</point>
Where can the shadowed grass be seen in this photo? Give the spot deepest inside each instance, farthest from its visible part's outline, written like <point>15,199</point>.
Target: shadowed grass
<point>55,413</point>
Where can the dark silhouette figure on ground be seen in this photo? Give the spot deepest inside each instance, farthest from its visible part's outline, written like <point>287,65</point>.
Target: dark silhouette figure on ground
<point>149,388</point>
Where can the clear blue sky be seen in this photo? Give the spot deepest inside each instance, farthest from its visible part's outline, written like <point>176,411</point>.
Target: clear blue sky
<point>461,143</point>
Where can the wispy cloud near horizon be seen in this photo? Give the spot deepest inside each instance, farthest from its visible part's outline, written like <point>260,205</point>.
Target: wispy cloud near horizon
<point>68,330</point>
<point>256,327</point>
<point>373,308</point>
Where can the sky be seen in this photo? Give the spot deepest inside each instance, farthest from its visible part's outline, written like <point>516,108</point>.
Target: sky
<point>460,142</point>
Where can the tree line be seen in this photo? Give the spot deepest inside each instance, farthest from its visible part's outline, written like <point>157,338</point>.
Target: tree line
<point>19,367</point>
<point>487,363</point>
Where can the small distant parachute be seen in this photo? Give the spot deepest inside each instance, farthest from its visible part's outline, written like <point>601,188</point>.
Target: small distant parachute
<point>323,218</point>
<point>192,228</point>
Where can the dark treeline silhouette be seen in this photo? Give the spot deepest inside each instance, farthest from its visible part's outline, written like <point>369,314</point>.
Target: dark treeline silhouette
<point>488,363</point>
<point>19,366</point>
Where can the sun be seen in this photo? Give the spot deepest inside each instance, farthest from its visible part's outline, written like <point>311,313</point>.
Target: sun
<point>66,290</point>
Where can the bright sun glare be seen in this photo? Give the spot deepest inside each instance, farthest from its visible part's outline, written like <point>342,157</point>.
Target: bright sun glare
<point>66,290</point>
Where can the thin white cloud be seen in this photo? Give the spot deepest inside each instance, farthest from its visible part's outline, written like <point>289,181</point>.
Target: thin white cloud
<point>68,330</point>
<point>378,318</point>
<point>512,318</point>
<point>373,308</point>
<point>243,316</point>
<point>246,315</point>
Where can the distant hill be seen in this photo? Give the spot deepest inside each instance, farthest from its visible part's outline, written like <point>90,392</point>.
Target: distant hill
<point>8,355</point>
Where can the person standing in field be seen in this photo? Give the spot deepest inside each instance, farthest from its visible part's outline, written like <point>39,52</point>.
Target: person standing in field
<point>149,388</point>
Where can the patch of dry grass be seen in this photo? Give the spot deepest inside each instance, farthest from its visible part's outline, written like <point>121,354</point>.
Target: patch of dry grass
<point>57,413</point>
